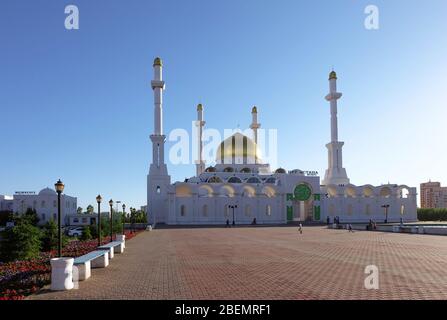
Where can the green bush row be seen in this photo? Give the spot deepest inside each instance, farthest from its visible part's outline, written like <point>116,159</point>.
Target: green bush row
<point>432,214</point>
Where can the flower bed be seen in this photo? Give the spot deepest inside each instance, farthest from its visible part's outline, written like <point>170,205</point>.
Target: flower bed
<point>21,278</point>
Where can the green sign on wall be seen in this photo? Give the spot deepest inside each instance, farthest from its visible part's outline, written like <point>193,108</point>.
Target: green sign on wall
<point>302,192</point>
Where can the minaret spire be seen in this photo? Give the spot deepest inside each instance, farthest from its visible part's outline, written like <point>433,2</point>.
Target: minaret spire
<point>335,174</point>
<point>255,125</point>
<point>158,178</point>
<point>200,165</point>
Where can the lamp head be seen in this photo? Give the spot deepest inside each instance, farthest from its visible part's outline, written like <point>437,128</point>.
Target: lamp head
<point>59,186</point>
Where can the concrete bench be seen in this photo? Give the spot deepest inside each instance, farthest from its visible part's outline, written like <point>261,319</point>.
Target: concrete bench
<point>94,259</point>
<point>113,247</point>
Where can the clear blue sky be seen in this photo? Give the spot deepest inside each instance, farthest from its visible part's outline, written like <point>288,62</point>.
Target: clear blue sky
<point>77,105</point>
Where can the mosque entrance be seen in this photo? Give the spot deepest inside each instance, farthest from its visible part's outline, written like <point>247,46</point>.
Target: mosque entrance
<point>302,204</point>
<point>303,210</point>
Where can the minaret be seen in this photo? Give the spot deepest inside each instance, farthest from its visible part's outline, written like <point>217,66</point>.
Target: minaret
<point>200,164</point>
<point>255,125</point>
<point>158,178</point>
<point>335,174</point>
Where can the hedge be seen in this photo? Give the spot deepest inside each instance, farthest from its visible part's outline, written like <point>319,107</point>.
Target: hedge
<point>434,214</point>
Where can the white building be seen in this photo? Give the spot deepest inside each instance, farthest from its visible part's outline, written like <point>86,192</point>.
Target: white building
<point>6,203</point>
<point>45,204</point>
<point>241,188</point>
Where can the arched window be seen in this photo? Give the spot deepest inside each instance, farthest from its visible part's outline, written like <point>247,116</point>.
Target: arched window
<point>234,180</point>
<point>268,210</point>
<point>158,190</point>
<point>331,209</point>
<point>228,169</point>
<point>214,180</point>
<point>183,210</point>
<point>226,211</point>
<point>42,205</point>
<point>349,209</point>
<point>246,170</point>
<point>247,210</point>
<point>270,180</point>
<point>210,169</point>
<point>54,204</point>
<point>205,210</point>
<point>253,180</point>
<point>368,209</point>
<point>402,209</point>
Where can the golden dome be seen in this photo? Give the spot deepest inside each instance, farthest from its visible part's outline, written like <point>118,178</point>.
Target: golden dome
<point>157,62</point>
<point>332,75</point>
<point>254,110</point>
<point>199,107</point>
<point>238,149</point>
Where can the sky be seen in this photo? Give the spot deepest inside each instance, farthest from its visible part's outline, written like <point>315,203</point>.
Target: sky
<point>77,104</point>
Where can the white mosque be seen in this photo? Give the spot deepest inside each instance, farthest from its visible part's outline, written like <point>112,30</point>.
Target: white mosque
<point>241,189</point>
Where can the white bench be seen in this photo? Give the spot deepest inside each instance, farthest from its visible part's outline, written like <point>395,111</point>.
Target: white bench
<point>113,247</point>
<point>94,259</point>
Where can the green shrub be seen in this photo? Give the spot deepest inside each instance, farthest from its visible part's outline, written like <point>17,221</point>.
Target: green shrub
<point>22,242</point>
<point>86,235</point>
<point>93,230</point>
<point>432,214</point>
<point>50,236</point>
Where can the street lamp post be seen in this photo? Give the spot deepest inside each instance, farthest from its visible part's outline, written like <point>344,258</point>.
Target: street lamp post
<point>98,200</point>
<point>386,206</point>
<point>124,216</point>
<point>59,186</point>
<point>233,207</point>
<point>111,219</point>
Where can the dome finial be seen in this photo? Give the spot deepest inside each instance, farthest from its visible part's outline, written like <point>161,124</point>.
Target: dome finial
<point>158,62</point>
<point>199,107</point>
<point>332,75</point>
<point>254,109</point>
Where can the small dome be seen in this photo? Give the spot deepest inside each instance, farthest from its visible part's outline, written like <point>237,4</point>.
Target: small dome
<point>254,110</point>
<point>157,62</point>
<point>280,170</point>
<point>332,75</point>
<point>199,107</point>
<point>47,192</point>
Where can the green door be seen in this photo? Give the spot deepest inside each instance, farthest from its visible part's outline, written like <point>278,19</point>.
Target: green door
<point>289,213</point>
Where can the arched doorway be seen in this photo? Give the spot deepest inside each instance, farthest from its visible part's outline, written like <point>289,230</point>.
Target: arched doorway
<point>302,203</point>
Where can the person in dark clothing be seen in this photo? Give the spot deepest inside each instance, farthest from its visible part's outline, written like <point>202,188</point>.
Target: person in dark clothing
<point>328,220</point>
<point>228,224</point>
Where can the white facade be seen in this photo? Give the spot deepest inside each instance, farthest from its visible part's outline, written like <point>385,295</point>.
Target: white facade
<point>45,204</point>
<point>243,189</point>
<point>6,203</point>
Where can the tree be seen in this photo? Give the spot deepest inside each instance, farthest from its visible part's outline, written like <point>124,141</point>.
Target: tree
<point>90,209</point>
<point>86,235</point>
<point>5,216</point>
<point>30,216</point>
<point>79,210</point>
<point>22,242</point>
<point>50,237</point>
<point>93,230</point>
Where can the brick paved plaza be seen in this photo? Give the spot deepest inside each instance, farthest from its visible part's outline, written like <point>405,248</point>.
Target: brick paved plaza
<point>269,263</point>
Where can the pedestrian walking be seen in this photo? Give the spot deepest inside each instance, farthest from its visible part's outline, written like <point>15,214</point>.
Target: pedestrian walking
<point>350,228</point>
<point>300,228</point>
